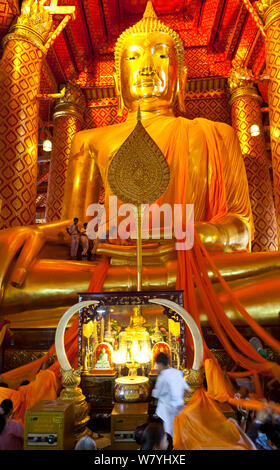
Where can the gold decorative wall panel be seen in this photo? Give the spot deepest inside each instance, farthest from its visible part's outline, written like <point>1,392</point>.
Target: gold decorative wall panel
<point>19,85</point>
<point>68,119</point>
<point>272,20</point>
<point>65,127</point>
<point>246,111</point>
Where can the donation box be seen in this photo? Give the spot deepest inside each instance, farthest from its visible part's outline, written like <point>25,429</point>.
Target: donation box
<point>49,425</point>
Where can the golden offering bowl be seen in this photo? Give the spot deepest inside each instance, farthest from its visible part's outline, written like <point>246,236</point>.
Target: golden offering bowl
<point>132,389</point>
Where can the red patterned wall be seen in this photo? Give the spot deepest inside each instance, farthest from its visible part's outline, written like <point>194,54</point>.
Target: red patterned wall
<point>6,17</point>
<point>202,102</point>
<point>20,72</point>
<point>103,113</point>
<point>213,106</point>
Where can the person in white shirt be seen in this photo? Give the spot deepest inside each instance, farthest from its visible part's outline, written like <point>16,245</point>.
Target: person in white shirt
<point>169,390</point>
<point>73,231</point>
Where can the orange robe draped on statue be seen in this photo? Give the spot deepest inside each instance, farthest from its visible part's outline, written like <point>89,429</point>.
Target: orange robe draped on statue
<point>206,165</point>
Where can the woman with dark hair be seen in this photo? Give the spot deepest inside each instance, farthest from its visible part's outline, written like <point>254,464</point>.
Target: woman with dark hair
<point>138,434</point>
<point>154,437</point>
<point>11,431</point>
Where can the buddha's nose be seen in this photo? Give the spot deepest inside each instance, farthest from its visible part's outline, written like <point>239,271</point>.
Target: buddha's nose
<point>147,65</point>
<point>148,71</point>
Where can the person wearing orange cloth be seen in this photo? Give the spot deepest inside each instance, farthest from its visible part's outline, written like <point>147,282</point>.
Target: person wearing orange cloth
<point>44,385</point>
<point>202,425</point>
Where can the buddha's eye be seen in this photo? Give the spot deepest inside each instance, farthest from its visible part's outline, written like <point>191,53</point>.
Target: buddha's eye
<point>132,57</point>
<point>164,56</point>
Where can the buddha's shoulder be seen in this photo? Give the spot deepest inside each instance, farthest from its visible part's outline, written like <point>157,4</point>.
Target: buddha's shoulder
<point>94,136</point>
<point>221,127</point>
<point>200,128</point>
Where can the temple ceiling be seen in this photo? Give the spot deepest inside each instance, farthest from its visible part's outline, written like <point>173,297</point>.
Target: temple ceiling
<point>217,35</point>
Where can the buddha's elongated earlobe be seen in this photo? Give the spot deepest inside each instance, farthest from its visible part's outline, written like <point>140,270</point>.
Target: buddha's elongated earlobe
<point>181,87</point>
<point>118,93</point>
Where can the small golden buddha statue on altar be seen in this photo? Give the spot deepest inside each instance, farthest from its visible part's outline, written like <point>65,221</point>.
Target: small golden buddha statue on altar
<point>207,170</point>
<point>137,321</point>
<point>135,342</point>
<point>134,351</point>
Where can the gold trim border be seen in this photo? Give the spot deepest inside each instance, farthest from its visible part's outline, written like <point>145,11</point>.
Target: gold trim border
<point>65,110</point>
<point>245,92</point>
<point>25,34</point>
<point>272,15</point>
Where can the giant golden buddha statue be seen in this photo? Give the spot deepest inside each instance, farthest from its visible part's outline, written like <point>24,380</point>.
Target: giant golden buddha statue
<point>207,170</point>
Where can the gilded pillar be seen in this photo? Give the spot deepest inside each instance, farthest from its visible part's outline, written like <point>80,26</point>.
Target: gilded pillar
<point>20,69</point>
<point>270,11</point>
<point>247,122</point>
<point>68,119</point>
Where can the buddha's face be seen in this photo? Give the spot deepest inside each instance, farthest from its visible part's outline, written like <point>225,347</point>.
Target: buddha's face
<point>149,71</point>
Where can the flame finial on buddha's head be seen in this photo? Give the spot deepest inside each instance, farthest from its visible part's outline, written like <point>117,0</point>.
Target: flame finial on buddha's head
<point>149,11</point>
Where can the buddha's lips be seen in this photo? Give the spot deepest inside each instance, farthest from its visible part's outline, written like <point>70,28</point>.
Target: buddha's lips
<point>147,83</point>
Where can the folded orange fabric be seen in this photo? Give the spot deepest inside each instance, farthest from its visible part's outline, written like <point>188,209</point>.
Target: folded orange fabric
<point>202,426</point>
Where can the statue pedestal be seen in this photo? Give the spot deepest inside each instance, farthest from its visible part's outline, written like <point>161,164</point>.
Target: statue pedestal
<point>103,372</point>
<point>99,391</point>
<point>124,420</point>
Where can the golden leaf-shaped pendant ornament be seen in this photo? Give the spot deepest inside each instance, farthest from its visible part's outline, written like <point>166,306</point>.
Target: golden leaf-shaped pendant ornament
<point>139,172</point>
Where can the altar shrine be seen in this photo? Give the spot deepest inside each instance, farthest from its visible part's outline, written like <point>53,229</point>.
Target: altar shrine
<point>119,340</point>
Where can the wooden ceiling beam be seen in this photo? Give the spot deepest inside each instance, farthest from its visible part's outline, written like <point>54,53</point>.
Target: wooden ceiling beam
<point>111,13</point>
<point>235,36</point>
<point>62,10</point>
<point>51,85</point>
<point>70,51</point>
<point>248,37</point>
<point>216,22</point>
<point>251,49</point>
<point>95,22</point>
<point>55,65</point>
<point>77,37</point>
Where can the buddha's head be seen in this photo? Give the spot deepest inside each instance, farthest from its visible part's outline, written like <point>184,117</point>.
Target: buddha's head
<point>149,65</point>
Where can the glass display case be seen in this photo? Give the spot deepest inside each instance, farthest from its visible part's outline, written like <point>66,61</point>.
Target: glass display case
<point>119,339</point>
<point>124,331</point>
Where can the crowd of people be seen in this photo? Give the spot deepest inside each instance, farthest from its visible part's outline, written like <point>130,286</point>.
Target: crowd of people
<point>263,430</point>
<point>148,436</point>
<point>261,427</point>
